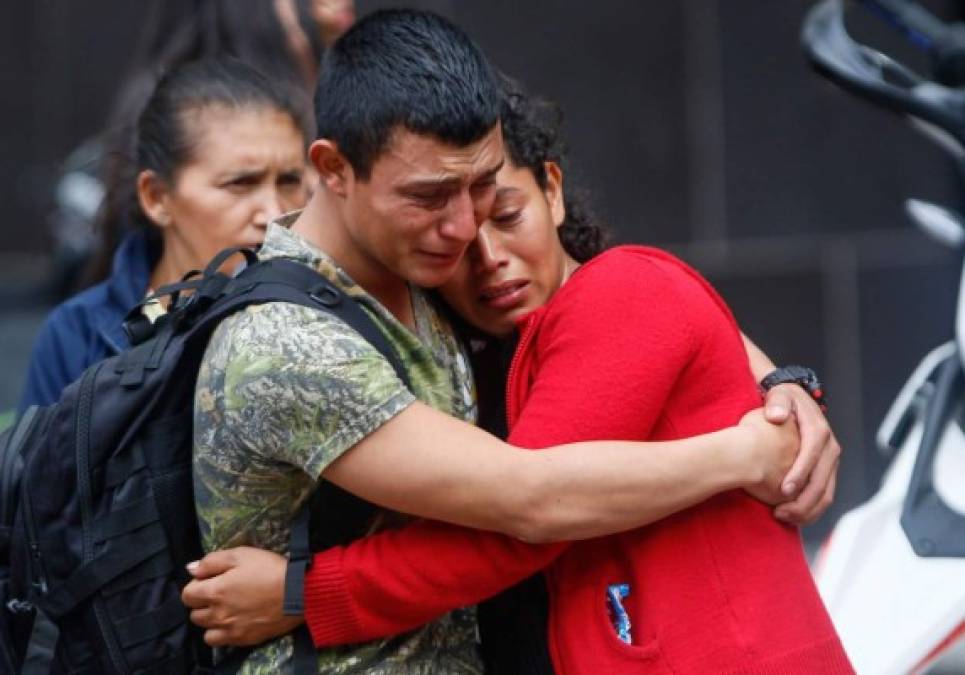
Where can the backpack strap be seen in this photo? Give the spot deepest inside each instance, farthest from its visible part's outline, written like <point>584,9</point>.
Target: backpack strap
<point>284,280</point>
<point>216,296</point>
<point>314,290</point>
<point>304,656</point>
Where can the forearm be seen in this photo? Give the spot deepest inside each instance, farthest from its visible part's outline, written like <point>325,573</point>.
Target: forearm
<point>761,365</point>
<point>433,466</point>
<point>391,582</point>
<point>596,488</point>
<point>377,586</point>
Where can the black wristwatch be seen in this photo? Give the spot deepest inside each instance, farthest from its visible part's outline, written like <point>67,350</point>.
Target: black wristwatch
<point>806,378</point>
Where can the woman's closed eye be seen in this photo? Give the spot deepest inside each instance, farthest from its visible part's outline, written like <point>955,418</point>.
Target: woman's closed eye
<point>506,218</point>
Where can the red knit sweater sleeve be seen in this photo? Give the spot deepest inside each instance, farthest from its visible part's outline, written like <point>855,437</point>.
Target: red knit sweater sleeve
<point>611,347</point>
<point>396,580</point>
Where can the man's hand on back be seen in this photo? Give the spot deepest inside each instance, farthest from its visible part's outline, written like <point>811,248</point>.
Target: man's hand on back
<point>236,596</point>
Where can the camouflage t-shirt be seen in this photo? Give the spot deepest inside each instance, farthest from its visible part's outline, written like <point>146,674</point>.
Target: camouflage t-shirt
<point>282,392</point>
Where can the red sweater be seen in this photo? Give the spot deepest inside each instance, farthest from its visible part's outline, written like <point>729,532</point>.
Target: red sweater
<point>636,346</point>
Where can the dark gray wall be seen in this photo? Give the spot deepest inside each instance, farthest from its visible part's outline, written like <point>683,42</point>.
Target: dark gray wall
<point>696,124</point>
<point>59,65</point>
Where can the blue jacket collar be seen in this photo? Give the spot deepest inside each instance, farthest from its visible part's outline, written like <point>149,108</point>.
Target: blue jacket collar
<point>126,287</point>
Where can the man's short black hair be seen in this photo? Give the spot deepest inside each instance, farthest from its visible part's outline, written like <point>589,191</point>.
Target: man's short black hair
<point>408,68</point>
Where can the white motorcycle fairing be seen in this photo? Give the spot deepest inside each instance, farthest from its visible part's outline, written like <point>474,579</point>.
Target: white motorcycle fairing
<point>894,610</point>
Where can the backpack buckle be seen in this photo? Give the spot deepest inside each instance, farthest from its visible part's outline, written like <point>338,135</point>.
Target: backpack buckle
<point>326,295</point>
<point>17,606</point>
<point>138,329</point>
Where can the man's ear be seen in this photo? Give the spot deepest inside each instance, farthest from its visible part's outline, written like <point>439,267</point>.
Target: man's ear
<point>554,192</point>
<point>153,196</point>
<point>334,170</point>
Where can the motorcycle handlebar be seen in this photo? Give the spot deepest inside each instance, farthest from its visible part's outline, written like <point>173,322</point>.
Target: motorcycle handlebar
<point>876,76</point>
<point>921,26</point>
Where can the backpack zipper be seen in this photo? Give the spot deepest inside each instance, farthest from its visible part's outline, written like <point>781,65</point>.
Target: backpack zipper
<point>39,582</point>
<point>85,403</point>
<point>85,400</point>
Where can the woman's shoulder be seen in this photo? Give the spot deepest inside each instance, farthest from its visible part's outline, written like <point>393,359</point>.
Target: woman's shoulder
<point>68,342</point>
<point>633,269</point>
<point>84,308</point>
<point>644,283</point>
<point>620,285</point>
<point>82,320</point>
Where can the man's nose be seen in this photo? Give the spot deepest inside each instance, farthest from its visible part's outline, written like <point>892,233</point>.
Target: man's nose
<point>483,199</point>
<point>460,219</point>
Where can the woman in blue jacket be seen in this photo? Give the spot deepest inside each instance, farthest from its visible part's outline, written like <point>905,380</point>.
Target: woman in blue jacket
<point>220,151</point>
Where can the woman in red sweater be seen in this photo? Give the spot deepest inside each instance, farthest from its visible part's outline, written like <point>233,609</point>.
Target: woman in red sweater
<point>631,345</point>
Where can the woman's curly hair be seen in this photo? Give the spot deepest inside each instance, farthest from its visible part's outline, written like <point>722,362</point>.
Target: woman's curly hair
<point>532,134</point>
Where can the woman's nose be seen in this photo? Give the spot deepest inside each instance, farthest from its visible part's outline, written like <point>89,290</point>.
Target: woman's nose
<point>269,206</point>
<point>488,254</point>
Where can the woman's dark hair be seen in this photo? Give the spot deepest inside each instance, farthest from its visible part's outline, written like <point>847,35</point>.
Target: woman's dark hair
<point>532,134</point>
<point>162,140</point>
<point>180,32</point>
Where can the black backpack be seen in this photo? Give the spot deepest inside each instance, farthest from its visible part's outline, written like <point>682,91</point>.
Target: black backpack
<point>97,516</point>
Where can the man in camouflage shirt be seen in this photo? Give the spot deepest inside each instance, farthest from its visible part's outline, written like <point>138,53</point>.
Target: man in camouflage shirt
<point>283,391</point>
<point>407,112</point>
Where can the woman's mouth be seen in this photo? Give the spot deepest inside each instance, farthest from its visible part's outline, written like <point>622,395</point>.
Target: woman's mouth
<point>506,295</point>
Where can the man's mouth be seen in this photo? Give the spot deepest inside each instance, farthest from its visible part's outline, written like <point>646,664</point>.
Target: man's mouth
<point>443,258</point>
